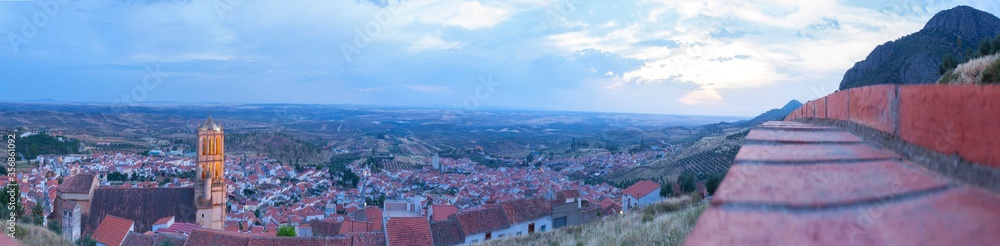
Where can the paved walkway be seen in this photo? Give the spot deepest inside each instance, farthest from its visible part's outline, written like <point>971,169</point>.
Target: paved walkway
<point>800,184</point>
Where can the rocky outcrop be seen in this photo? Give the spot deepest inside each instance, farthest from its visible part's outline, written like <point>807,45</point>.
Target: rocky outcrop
<point>914,59</point>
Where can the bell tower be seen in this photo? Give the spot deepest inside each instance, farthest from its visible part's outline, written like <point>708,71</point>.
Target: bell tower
<point>209,188</point>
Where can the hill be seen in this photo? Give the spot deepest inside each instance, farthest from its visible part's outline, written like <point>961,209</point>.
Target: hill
<point>30,235</point>
<point>665,223</point>
<point>915,58</point>
<point>706,156</point>
<point>774,114</point>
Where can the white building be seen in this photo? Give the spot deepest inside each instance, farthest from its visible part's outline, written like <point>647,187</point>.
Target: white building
<point>640,194</point>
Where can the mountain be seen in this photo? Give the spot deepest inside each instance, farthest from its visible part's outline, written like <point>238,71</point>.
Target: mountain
<point>914,59</point>
<point>774,114</point>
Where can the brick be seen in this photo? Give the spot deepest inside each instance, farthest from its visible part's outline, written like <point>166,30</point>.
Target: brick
<point>823,184</point>
<point>784,123</point>
<point>874,106</point>
<point>960,216</point>
<point>959,120</point>
<point>810,152</point>
<point>811,109</point>
<point>981,126</point>
<point>778,135</point>
<point>837,104</point>
<point>821,108</point>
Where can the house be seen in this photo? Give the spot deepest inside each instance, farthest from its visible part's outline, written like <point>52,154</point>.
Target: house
<point>447,233</point>
<point>71,213</point>
<point>577,211</point>
<point>440,212</point>
<point>528,216</point>
<point>163,223</point>
<point>112,231</point>
<point>483,224</point>
<point>640,194</point>
<point>406,231</point>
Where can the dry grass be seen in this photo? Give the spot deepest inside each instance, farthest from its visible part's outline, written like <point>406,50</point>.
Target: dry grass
<point>665,223</point>
<point>983,70</point>
<point>30,235</point>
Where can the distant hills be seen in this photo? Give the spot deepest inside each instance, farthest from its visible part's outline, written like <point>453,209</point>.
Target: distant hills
<point>774,114</point>
<point>915,58</point>
<point>708,155</point>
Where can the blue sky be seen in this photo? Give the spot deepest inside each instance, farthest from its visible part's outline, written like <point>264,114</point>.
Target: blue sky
<point>711,57</point>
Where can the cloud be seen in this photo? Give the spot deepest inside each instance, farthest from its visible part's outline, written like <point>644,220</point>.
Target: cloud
<point>432,43</point>
<point>703,97</point>
<point>474,15</point>
<point>682,57</point>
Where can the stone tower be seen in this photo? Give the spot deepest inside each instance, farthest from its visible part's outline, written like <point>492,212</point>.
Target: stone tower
<point>209,188</point>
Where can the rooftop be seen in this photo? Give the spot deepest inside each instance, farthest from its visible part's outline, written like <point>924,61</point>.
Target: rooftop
<point>112,230</point>
<point>409,231</point>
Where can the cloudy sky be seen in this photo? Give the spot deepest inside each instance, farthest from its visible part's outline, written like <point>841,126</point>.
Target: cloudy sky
<point>707,57</point>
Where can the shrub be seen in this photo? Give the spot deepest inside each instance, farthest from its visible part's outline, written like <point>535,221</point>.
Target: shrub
<point>991,75</point>
<point>980,70</point>
<point>286,231</point>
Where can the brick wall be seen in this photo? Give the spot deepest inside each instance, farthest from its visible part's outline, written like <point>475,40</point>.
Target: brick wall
<point>961,120</point>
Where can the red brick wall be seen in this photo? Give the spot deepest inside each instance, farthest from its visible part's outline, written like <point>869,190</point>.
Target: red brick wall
<point>950,119</point>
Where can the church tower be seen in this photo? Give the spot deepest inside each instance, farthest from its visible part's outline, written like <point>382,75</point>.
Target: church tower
<point>209,188</point>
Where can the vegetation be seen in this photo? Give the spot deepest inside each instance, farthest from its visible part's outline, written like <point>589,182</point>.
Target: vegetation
<point>18,209</point>
<point>286,231</point>
<point>980,65</point>
<point>665,223</point>
<point>983,70</point>
<point>35,235</point>
<point>43,144</point>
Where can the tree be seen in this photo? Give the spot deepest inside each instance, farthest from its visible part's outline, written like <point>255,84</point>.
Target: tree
<point>686,182</point>
<point>665,190</point>
<point>87,241</point>
<point>713,183</point>
<point>37,214</point>
<point>286,231</point>
<point>55,227</point>
<point>947,63</point>
<point>12,192</point>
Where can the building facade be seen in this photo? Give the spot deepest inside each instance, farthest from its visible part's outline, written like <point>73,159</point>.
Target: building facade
<point>210,188</point>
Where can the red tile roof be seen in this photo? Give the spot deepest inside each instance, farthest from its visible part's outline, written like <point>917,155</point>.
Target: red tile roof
<point>641,188</point>
<point>409,231</point>
<point>441,212</point>
<point>112,230</point>
<point>447,232</point>
<point>482,220</point>
<point>211,237</point>
<point>163,220</point>
<point>525,209</point>
<point>180,228</point>
<point>77,184</point>
<point>201,237</point>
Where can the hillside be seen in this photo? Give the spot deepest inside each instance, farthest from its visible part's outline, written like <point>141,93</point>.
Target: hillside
<point>664,223</point>
<point>30,235</point>
<point>704,157</point>
<point>915,58</point>
<point>280,146</point>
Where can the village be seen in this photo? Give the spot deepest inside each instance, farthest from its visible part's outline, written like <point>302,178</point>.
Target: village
<point>458,200</point>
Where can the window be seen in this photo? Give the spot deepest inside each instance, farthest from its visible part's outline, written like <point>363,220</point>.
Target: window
<point>489,235</point>
<point>531,228</point>
<point>559,222</point>
<point>543,228</point>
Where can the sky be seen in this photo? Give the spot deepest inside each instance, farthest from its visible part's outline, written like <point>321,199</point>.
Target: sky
<point>708,57</point>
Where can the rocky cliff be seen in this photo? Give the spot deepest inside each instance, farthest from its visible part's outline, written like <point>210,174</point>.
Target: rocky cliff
<point>914,59</point>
